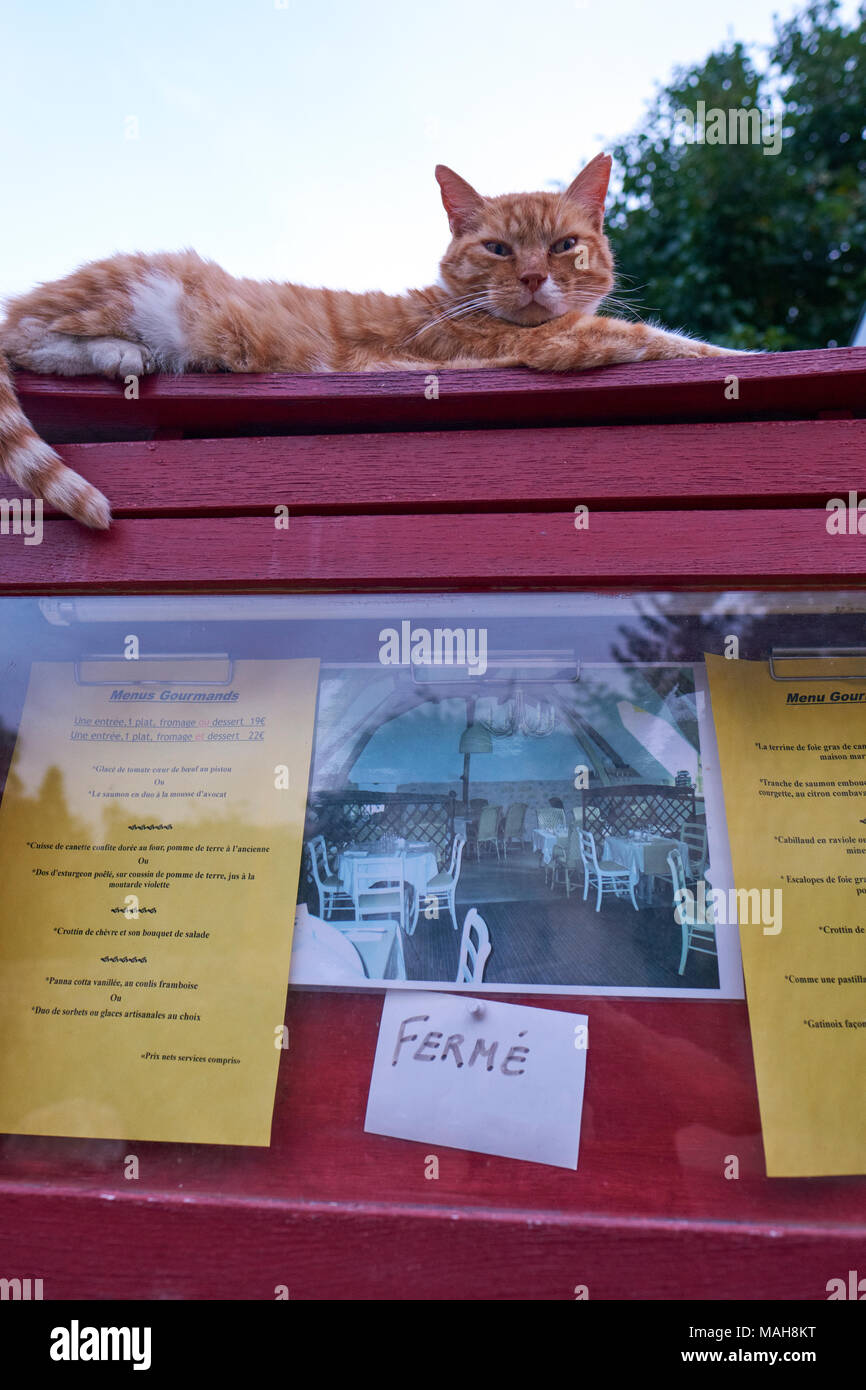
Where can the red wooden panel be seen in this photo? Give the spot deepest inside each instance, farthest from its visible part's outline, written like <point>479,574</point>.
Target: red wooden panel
<point>670,1093</point>
<point>464,550</point>
<point>497,469</point>
<point>333,1212</point>
<point>90,1248</point>
<point>795,384</point>
<point>701,1105</point>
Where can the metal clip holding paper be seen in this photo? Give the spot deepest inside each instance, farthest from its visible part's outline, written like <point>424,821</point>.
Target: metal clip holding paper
<point>200,669</point>
<point>815,654</point>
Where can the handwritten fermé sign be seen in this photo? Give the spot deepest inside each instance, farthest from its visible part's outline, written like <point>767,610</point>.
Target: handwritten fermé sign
<point>476,1074</point>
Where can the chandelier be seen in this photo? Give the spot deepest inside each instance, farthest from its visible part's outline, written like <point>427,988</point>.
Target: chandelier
<point>515,716</point>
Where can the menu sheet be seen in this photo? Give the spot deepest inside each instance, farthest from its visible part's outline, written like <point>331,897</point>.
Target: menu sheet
<point>793,761</point>
<point>150,842</point>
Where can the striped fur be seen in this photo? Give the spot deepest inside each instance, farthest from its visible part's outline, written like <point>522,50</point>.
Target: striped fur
<point>520,285</point>
<point>34,466</point>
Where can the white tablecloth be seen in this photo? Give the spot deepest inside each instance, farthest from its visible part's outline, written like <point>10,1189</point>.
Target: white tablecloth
<point>644,856</point>
<point>546,841</point>
<point>414,866</point>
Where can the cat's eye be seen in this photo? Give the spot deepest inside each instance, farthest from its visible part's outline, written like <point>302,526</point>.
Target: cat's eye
<point>497,248</point>
<point>566,243</point>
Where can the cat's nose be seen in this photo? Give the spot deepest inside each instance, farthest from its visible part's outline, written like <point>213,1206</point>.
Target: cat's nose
<point>532,282</point>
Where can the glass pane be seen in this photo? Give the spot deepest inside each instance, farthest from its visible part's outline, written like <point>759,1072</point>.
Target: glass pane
<point>505,724</point>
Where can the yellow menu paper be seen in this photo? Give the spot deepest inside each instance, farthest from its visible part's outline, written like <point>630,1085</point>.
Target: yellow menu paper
<point>150,840</point>
<point>793,762</point>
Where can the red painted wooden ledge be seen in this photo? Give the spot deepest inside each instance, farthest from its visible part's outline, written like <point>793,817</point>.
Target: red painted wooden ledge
<point>793,385</point>
<point>712,490</point>
<point>736,464</point>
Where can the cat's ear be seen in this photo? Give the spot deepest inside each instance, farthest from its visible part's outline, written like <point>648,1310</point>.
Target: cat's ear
<point>589,189</point>
<point>462,203</point>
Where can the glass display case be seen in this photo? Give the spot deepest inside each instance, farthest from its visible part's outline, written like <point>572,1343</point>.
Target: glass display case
<point>547,760</point>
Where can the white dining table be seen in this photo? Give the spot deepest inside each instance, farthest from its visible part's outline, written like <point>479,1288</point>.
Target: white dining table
<point>647,856</point>
<point>415,865</point>
<point>546,841</point>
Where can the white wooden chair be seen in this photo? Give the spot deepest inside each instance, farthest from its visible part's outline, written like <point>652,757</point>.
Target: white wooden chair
<point>372,941</point>
<point>695,836</point>
<point>569,858</point>
<point>699,932</point>
<point>488,829</point>
<point>606,877</point>
<point>380,896</point>
<point>380,890</point>
<point>443,886</point>
<point>473,951</point>
<point>331,891</point>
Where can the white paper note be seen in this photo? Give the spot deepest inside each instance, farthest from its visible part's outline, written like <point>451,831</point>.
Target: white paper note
<point>508,1081</point>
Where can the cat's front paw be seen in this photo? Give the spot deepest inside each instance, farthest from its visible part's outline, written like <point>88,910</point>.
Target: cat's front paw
<point>118,357</point>
<point>549,354</point>
<point>678,345</point>
<point>711,350</point>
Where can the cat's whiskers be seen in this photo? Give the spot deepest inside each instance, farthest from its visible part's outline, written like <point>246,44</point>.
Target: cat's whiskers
<point>622,299</point>
<point>457,309</point>
<point>452,309</point>
<point>584,298</point>
<point>626,305</point>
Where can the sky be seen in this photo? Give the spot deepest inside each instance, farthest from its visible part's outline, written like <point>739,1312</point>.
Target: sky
<point>296,139</point>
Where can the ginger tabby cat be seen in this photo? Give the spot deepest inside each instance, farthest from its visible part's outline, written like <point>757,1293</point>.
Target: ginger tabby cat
<point>520,285</point>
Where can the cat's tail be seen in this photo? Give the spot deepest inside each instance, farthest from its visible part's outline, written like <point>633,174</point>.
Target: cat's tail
<point>33,464</point>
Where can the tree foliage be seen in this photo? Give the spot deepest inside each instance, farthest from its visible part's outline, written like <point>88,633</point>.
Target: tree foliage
<point>747,248</point>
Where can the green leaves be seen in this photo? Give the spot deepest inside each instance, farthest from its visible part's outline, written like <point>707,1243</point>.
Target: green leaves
<point>735,243</point>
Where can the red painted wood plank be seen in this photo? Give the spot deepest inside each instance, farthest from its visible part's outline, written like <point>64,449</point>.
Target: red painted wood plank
<point>795,384</point>
<point>87,1248</point>
<point>672,465</point>
<point>648,1214</point>
<point>701,1106</point>
<point>464,550</point>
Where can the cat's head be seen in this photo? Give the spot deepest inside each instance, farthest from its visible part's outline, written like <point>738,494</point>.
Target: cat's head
<point>528,257</point>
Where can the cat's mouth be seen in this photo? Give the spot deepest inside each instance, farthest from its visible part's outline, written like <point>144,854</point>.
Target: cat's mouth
<point>538,308</point>
<point>530,308</point>
<point>528,315</point>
